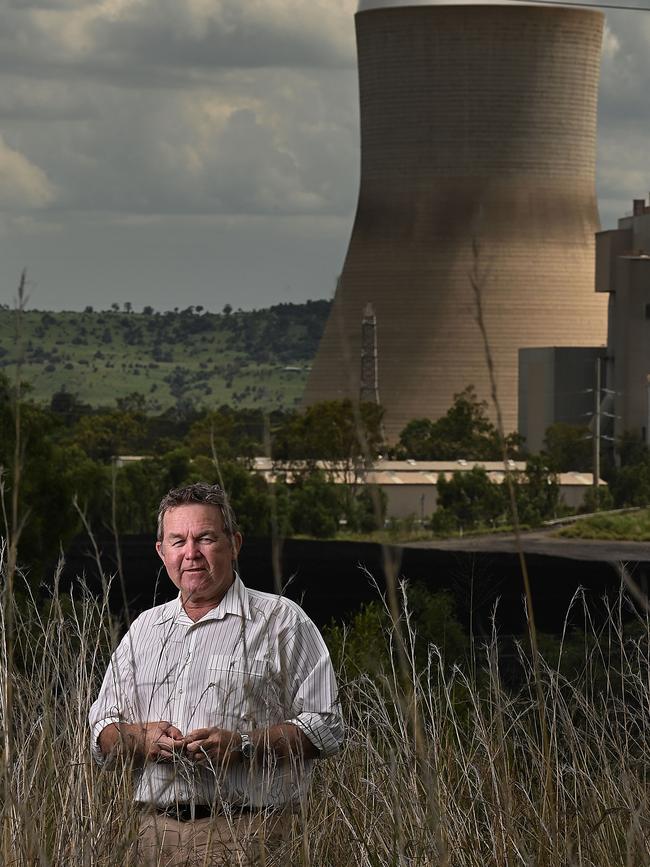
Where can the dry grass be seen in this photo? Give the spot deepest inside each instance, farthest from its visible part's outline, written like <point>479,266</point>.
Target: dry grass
<point>472,793</point>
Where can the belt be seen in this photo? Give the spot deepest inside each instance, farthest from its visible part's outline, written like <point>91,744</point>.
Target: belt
<point>184,812</point>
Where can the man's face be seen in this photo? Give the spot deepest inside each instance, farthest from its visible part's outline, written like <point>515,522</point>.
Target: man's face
<point>197,553</point>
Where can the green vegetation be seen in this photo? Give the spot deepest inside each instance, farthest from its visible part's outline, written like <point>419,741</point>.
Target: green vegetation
<point>469,500</point>
<point>630,527</point>
<point>68,473</point>
<point>465,431</point>
<point>180,359</point>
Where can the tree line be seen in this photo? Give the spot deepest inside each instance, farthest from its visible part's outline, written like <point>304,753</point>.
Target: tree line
<point>69,475</point>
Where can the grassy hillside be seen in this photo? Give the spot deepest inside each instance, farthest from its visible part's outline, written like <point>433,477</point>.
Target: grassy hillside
<point>245,359</point>
<point>631,527</point>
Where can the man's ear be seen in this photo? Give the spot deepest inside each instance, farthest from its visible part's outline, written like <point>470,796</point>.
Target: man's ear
<point>236,544</point>
<point>159,551</point>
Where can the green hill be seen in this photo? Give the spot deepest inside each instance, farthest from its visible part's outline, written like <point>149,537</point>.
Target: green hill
<point>245,359</point>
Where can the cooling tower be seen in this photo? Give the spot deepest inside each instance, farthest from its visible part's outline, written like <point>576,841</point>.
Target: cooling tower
<point>478,133</point>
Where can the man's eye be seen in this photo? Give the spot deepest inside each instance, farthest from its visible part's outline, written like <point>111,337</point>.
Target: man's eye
<point>177,543</point>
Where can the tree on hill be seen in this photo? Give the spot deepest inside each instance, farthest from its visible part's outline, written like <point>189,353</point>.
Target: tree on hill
<point>68,406</point>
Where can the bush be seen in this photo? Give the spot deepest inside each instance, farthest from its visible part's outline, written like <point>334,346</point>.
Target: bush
<point>468,500</point>
<point>315,506</point>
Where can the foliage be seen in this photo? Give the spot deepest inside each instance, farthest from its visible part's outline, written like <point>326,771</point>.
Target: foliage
<point>315,505</point>
<point>109,433</point>
<point>51,476</point>
<point>597,500</point>
<point>255,359</point>
<point>537,492</point>
<point>465,431</point>
<point>363,645</point>
<point>364,507</point>
<point>568,447</point>
<point>631,526</point>
<point>632,450</point>
<point>631,485</point>
<point>468,500</point>
<point>227,433</point>
<point>630,482</point>
<point>333,430</point>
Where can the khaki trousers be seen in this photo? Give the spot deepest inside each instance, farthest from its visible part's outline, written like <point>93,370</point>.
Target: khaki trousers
<point>241,840</point>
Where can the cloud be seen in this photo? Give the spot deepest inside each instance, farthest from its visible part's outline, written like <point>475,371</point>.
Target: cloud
<point>228,33</point>
<point>23,185</point>
<point>195,107</point>
<point>112,39</point>
<point>624,125</point>
<point>242,115</point>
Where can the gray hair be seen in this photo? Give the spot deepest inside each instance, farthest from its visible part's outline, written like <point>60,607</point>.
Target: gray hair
<point>199,492</point>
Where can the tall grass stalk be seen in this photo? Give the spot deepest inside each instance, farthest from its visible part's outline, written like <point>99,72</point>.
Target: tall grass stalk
<point>391,561</point>
<point>370,806</point>
<point>478,280</point>
<point>9,560</point>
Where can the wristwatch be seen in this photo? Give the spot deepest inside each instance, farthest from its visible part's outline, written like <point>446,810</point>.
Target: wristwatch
<point>247,747</point>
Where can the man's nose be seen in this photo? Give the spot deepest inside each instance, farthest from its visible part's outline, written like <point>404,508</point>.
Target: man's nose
<point>192,550</point>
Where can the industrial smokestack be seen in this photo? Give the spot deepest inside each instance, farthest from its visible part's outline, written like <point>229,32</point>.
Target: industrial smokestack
<point>478,131</point>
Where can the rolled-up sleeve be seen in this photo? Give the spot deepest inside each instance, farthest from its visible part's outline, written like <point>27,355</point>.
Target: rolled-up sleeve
<point>113,702</point>
<point>314,702</point>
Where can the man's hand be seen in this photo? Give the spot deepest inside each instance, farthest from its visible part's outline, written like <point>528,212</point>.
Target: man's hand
<point>147,741</point>
<point>212,746</point>
<point>283,742</point>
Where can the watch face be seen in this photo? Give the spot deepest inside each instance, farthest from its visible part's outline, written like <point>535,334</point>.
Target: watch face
<point>247,748</point>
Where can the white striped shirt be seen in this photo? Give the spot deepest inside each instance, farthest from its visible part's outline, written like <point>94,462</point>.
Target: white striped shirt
<point>254,661</point>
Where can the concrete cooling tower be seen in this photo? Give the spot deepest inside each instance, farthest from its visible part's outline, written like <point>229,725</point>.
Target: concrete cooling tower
<point>478,130</point>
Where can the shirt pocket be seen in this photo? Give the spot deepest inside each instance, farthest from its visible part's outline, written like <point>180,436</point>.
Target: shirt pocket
<point>243,690</point>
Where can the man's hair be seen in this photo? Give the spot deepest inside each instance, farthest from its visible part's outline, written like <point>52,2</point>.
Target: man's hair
<point>200,492</point>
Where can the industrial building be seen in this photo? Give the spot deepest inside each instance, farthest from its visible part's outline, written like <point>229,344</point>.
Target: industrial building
<point>411,486</point>
<point>478,132</point>
<point>623,271</point>
<point>557,384</point>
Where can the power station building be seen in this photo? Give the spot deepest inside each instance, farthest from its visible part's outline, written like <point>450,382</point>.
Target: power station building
<point>478,133</point>
<point>623,271</point>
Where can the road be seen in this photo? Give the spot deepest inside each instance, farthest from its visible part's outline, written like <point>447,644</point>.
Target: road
<point>544,542</point>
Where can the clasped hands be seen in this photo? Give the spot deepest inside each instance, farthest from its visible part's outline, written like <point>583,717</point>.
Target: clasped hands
<point>163,742</point>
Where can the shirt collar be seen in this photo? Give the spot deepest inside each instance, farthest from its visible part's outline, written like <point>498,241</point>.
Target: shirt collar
<point>236,601</point>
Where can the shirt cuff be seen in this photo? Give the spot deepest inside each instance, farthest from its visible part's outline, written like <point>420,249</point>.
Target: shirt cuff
<point>95,732</point>
<point>324,730</point>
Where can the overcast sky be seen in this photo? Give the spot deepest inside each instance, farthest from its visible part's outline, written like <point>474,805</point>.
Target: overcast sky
<point>176,152</point>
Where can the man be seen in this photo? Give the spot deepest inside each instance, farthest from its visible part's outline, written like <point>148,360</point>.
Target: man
<point>222,698</point>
